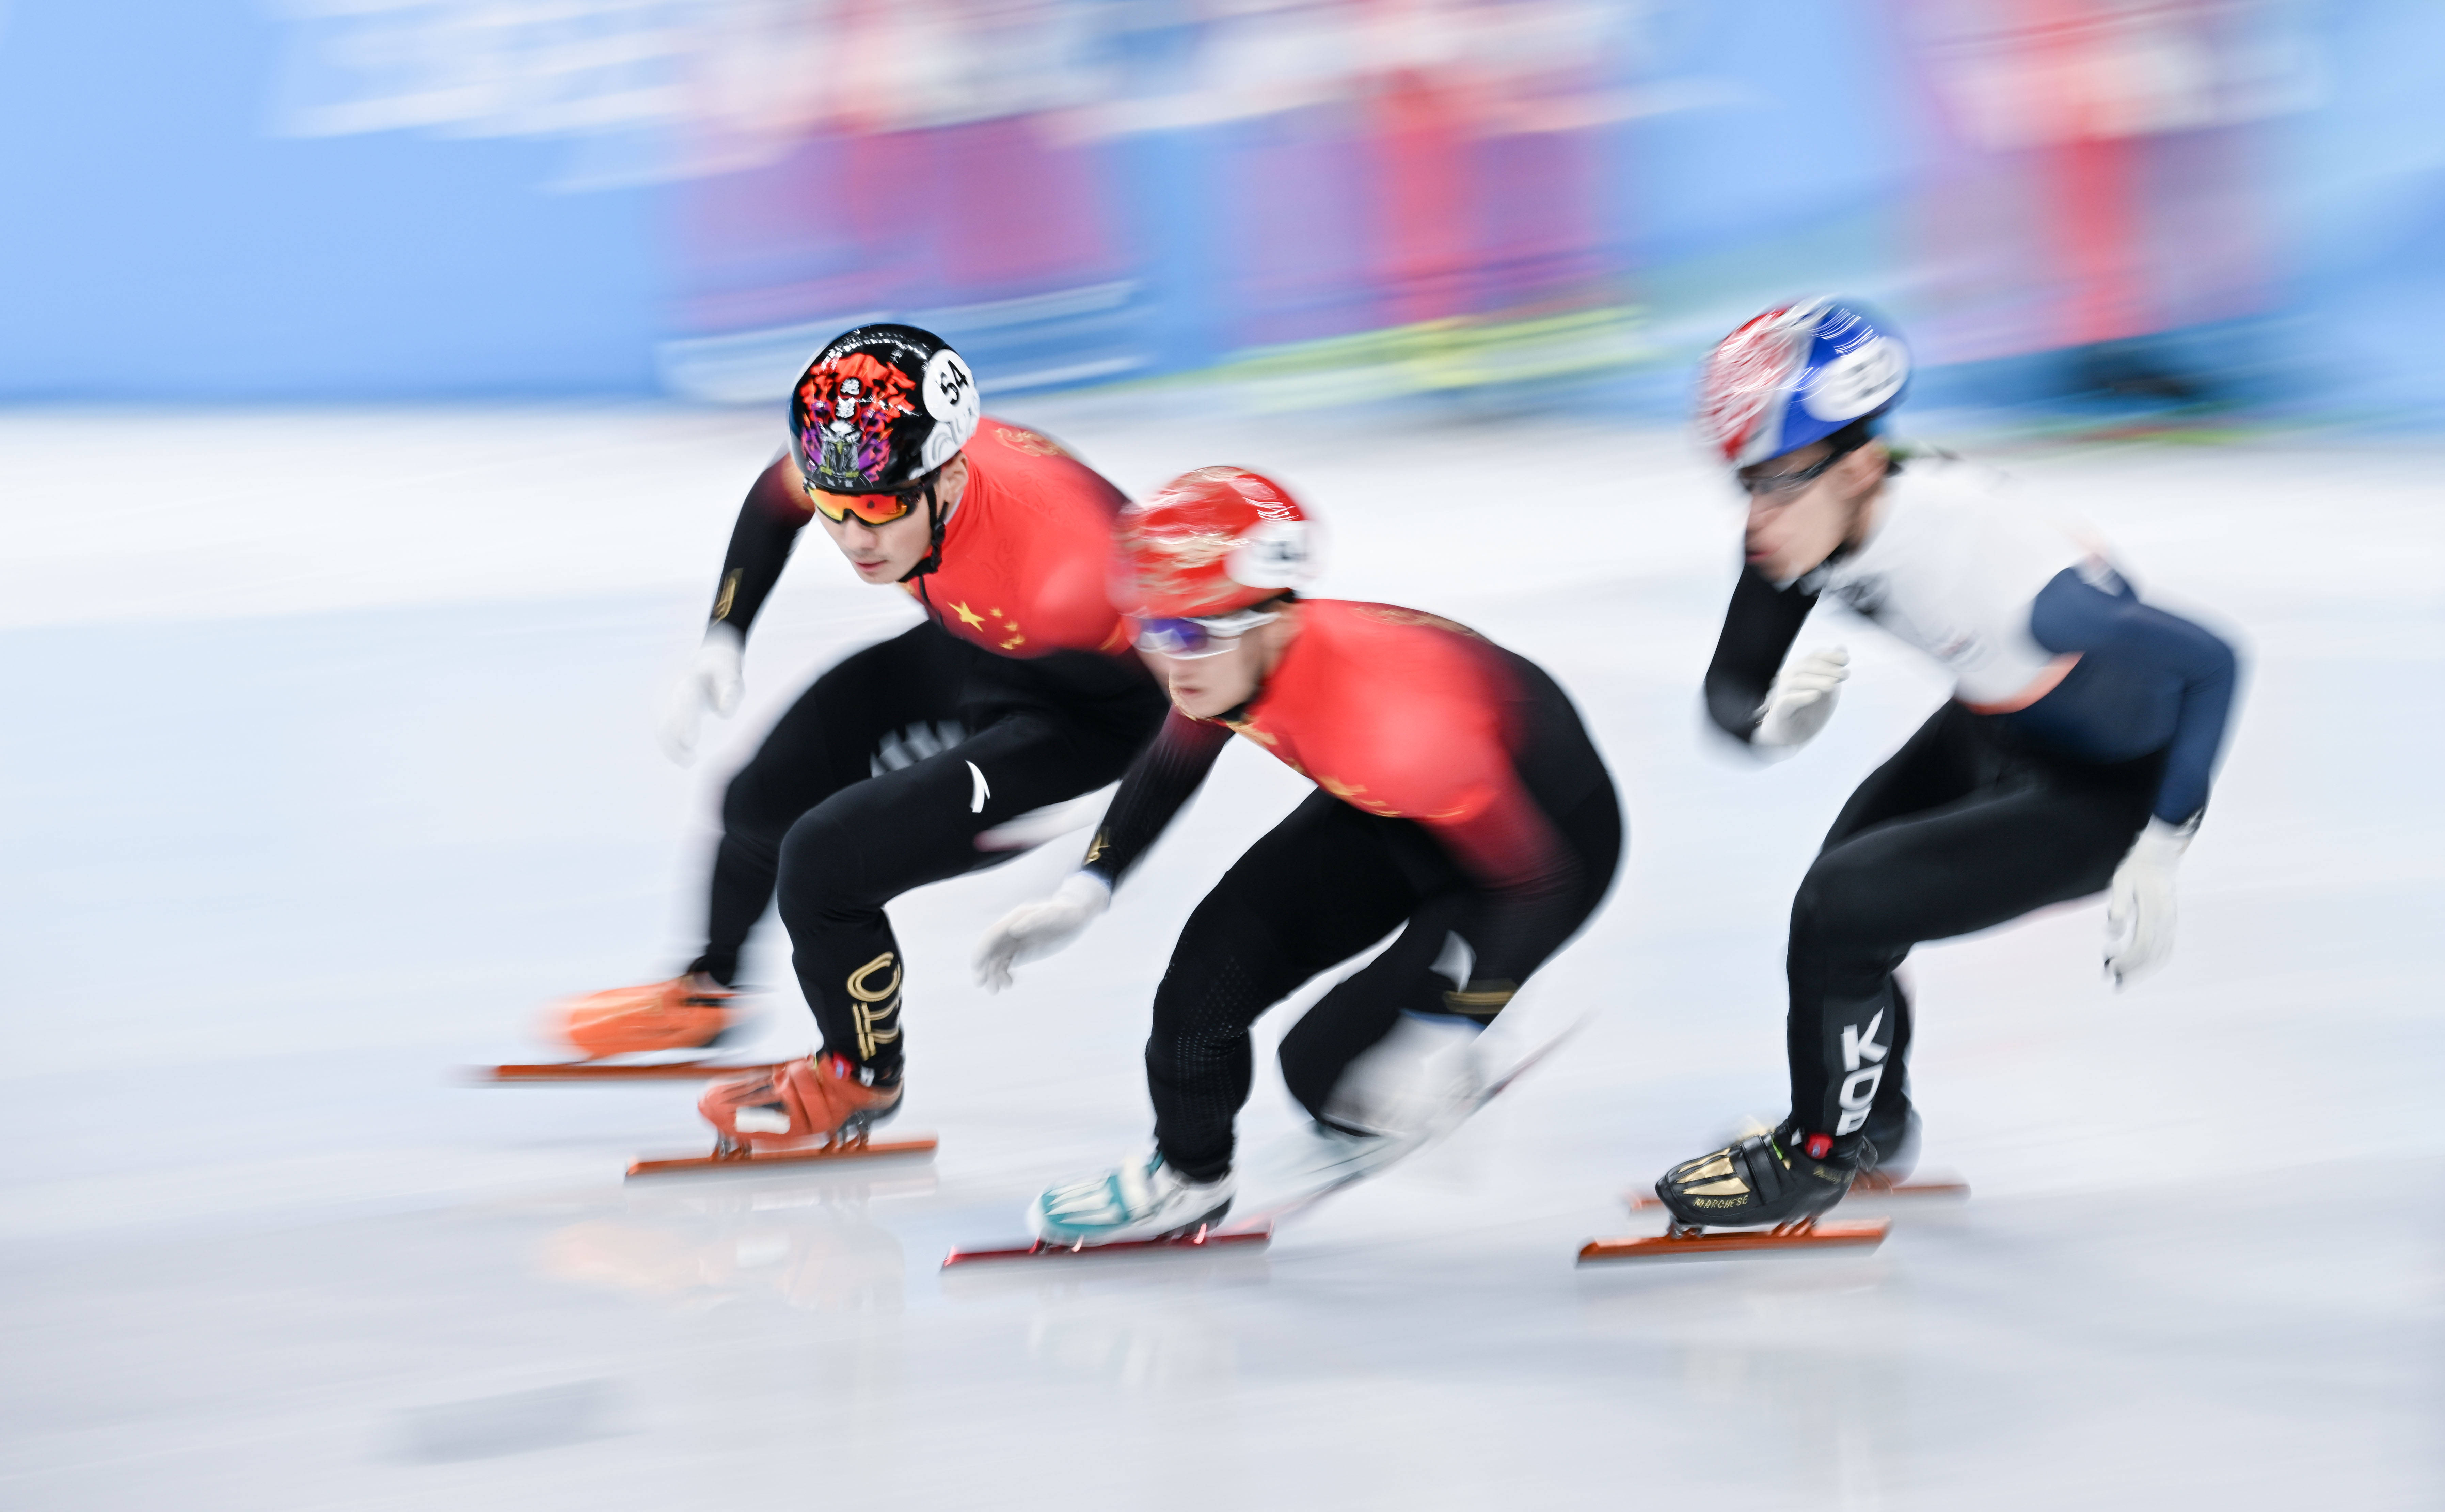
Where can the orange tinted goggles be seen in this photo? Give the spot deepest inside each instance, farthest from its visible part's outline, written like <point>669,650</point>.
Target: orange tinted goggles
<point>874,509</point>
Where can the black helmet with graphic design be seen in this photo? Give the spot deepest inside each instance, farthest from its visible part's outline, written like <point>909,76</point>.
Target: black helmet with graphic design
<point>881,408</point>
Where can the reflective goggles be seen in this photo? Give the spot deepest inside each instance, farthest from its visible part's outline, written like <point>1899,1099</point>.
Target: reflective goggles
<point>874,509</point>
<point>1187,640</point>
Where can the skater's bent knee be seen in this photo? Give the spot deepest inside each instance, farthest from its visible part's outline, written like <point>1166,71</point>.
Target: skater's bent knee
<point>820,867</point>
<point>1836,904</point>
<point>753,810</point>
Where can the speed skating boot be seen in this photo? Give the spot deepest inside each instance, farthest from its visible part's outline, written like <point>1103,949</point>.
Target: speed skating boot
<point>1895,1142</point>
<point>686,1013</point>
<point>822,1097</point>
<point>1780,1176</point>
<point>1144,1199</point>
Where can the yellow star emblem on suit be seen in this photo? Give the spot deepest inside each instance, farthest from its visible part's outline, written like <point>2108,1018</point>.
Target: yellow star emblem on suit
<point>1349,793</point>
<point>976,621</point>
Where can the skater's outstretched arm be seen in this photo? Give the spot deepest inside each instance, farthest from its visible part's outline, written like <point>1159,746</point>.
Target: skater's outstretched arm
<point>2155,682</point>
<point>1160,783</point>
<point>2146,680</point>
<point>1759,628</point>
<point>769,523</point>
<point>1165,776</point>
<point>1531,884</point>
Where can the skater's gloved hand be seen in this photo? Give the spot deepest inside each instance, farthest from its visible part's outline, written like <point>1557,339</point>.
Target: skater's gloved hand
<point>1032,930</point>
<point>712,682</point>
<point>2139,910</point>
<point>1801,699</point>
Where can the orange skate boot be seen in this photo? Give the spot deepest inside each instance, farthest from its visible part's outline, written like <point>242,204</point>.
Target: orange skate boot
<point>686,1013</point>
<point>820,1107</point>
<point>819,1100</point>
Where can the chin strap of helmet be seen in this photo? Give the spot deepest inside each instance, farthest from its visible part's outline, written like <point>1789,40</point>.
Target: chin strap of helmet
<point>938,523</point>
<point>1238,714</point>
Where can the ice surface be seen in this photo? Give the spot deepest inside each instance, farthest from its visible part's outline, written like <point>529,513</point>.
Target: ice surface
<point>329,760</point>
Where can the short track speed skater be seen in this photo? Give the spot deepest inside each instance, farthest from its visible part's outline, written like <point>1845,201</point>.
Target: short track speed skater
<point>2074,757</point>
<point>1459,808</point>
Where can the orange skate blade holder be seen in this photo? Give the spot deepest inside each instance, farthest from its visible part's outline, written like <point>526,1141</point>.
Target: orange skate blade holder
<point>1870,1185</point>
<point>1678,1242</point>
<point>729,1156</point>
<point>1203,1237</point>
<point>618,1071</point>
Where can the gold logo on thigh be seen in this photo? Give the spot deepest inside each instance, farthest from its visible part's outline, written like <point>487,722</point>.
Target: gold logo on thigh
<point>875,1004</point>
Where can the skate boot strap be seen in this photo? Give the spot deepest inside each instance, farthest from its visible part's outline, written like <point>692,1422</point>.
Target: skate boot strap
<point>1851,1151</point>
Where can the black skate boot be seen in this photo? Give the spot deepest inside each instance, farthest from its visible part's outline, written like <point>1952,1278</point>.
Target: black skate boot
<point>1780,1176</point>
<point>1896,1147</point>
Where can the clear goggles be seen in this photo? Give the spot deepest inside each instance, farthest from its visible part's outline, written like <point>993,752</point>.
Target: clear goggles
<point>1775,487</point>
<point>1779,486</point>
<point>1187,640</point>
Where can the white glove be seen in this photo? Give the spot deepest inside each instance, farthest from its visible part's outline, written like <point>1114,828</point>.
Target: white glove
<point>712,682</point>
<point>1034,930</point>
<point>2139,910</point>
<point>1801,699</point>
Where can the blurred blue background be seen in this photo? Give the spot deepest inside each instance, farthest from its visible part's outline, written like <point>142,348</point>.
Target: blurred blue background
<point>2186,202</point>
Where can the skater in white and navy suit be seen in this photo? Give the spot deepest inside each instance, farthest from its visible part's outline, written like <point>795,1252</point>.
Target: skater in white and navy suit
<point>2073,759</point>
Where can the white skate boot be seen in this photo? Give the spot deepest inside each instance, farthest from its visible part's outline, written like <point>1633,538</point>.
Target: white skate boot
<point>1417,1082</point>
<point>1298,1168</point>
<point>1412,1088</point>
<point>1143,1200</point>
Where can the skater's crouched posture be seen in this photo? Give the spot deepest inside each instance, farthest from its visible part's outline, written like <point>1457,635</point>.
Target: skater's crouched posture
<point>1459,802</point>
<point>903,764</point>
<point>2074,757</point>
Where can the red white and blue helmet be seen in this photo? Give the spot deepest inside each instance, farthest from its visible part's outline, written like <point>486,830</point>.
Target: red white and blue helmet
<point>1794,375</point>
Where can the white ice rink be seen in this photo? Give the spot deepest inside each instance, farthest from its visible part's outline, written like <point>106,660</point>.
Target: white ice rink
<point>328,762</point>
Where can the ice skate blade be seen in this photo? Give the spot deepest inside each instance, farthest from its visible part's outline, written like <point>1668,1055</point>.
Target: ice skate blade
<point>1203,1239</point>
<point>758,1159</point>
<point>1941,1189</point>
<point>1691,1244</point>
<point>616,1070</point>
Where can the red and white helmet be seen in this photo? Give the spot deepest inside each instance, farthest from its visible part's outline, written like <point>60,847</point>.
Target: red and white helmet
<point>1211,542</point>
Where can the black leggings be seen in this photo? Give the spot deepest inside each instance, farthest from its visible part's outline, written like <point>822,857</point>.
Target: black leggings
<point>1959,831</point>
<point>1325,884</point>
<point>879,779</point>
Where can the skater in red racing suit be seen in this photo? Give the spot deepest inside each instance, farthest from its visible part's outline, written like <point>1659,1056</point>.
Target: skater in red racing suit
<point>1459,801</point>
<point>898,767</point>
